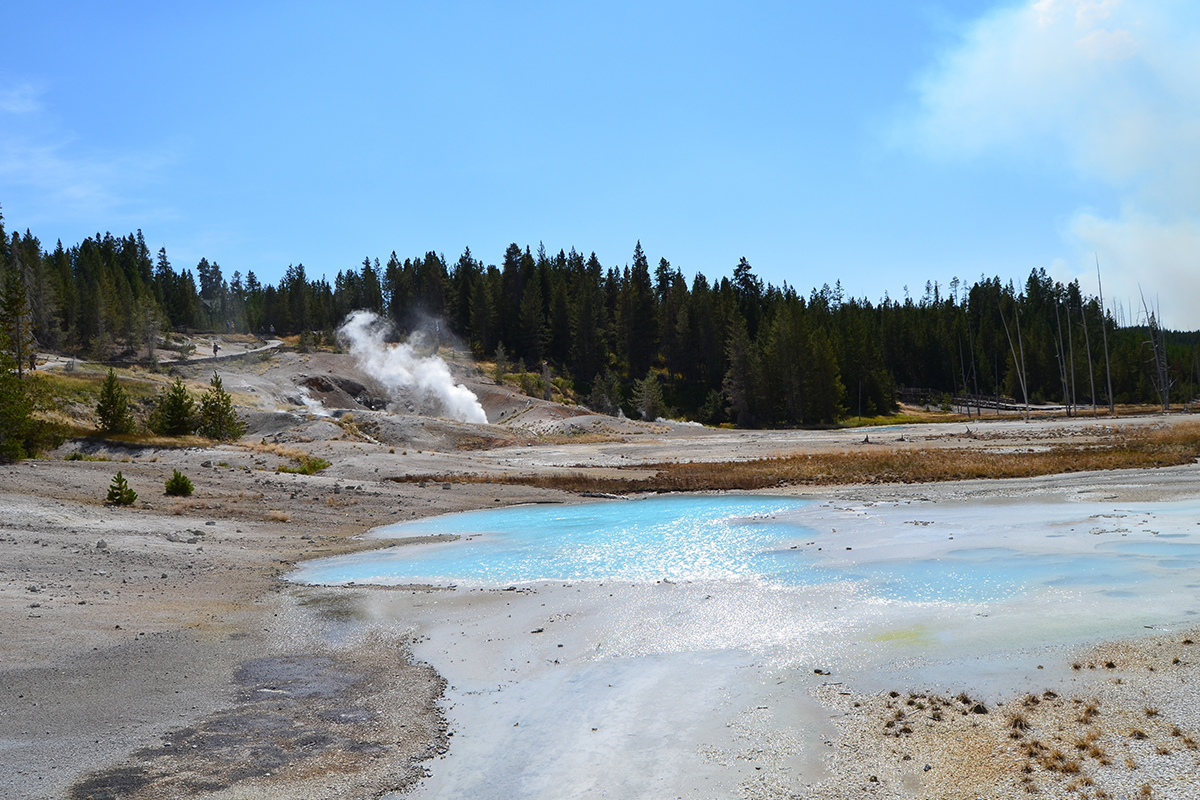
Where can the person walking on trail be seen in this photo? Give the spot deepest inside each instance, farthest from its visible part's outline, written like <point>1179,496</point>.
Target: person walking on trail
<point>216,347</point>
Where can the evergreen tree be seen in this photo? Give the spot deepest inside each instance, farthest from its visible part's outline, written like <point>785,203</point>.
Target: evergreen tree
<point>15,318</point>
<point>119,493</point>
<point>14,408</point>
<point>175,412</point>
<point>648,396</point>
<point>218,420</point>
<point>178,485</point>
<point>606,394</point>
<point>738,384</point>
<point>112,411</point>
<point>533,323</point>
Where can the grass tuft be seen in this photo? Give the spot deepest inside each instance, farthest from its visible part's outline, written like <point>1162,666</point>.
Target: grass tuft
<point>1141,448</point>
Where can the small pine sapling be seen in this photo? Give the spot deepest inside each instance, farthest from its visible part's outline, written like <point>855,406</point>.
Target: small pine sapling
<point>178,485</point>
<point>119,493</point>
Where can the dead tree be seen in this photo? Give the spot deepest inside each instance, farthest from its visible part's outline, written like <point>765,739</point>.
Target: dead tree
<point>1088,344</point>
<point>1021,365</point>
<point>1158,350</point>
<point>1112,406</point>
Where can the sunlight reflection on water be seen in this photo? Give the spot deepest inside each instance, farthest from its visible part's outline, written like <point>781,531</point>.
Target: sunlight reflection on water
<point>745,538</point>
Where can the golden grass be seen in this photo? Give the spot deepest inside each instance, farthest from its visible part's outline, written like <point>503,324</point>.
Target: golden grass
<point>487,442</point>
<point>587,437</point>
<point>1139,448</point>
<point>302,463</point>
<point>148,439</point>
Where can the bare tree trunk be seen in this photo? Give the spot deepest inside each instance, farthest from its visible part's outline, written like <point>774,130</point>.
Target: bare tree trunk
<point>1060,354</point>
<point>974,373</point>
<point>962,365</point>
<point>1071,354</point>
<point>1021,366</point>
<point>1112,405</point>
<point>1021,346</point>
<point>1162,382</point>
<point>1088,344</point>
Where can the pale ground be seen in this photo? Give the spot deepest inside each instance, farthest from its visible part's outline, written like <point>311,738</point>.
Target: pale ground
<point>154,651</point>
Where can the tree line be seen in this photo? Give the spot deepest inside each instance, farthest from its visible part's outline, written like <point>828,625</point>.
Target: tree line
<point>637,337</point>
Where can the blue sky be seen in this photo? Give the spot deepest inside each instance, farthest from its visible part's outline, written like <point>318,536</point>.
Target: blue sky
<point>882,144</point>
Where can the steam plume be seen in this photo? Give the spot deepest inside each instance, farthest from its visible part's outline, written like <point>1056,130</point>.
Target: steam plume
<point>399,367</point>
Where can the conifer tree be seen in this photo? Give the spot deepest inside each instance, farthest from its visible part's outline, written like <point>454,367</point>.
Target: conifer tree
<point>14,311</point>
<point>119,493</point>
<point>218,420</point>
<point>175,412</point>
<point>648,394</point>
<point>14,408</point>
<point>112,411</point>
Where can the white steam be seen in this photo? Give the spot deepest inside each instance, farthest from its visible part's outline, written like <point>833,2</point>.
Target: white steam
<point>399,367</point>
<point>314,407</point>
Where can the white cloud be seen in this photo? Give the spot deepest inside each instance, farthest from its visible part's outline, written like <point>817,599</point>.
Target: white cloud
<point>1107,87</point>
<point>57,176</point>
<point>51,173</point>
<point>1141,253</point>
<point>19,99</point>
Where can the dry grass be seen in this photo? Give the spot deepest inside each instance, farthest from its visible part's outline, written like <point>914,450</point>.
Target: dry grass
<point>580,438</point>
<point>1141,449</point>
<point>154,440</point>
<point>470,442</point>
<point>278,516</point>
<point>302,463</point>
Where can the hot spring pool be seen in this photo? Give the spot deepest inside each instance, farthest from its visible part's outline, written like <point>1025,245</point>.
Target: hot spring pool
<point>960,554</point>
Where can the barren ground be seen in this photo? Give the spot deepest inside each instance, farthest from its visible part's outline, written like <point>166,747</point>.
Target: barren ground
<point>153,651</point>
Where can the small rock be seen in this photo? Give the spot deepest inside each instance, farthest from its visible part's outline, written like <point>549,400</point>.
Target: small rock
<point>206,463</point>
<point>211,522</point>
<point>979,708</point>
<point>928,767</point>
<point>101,545</point>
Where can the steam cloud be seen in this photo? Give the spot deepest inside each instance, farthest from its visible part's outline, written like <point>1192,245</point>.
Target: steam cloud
<point>399,367</point>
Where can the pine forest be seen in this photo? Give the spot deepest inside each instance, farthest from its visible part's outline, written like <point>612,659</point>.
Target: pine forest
<point>636,336</point>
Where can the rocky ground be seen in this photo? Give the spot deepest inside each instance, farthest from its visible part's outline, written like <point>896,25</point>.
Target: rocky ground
<point>153,651</point>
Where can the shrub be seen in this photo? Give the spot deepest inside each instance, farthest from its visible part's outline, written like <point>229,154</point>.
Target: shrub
<point>218,420</point>
<point>178,485</point>
<point>119,493</point>
<point>112,411</point>
<point>305,465</point>
<point>175,411</point>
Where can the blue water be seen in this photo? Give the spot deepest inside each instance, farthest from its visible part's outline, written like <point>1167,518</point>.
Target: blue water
<point>739,538</point>
<point>676,538</point>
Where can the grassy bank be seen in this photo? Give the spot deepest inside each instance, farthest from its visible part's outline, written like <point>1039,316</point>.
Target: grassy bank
<point>1134,449</point>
